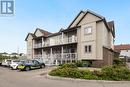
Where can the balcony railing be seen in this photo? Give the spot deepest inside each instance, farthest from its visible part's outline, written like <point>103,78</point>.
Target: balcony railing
<point>69,40</point>
<point>60,41</point>
<point>58,56</point>
<point>38,45</point>
<point>51,59</point>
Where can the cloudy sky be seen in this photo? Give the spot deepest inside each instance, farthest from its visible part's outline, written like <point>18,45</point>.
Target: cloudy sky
<point>52,15</point>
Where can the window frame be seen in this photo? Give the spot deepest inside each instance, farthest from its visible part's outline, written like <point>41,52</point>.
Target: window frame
<point>88,48</point>
<point>86,29</point>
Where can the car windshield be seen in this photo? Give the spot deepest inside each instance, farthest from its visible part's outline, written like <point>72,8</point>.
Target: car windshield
<point>22,62</point>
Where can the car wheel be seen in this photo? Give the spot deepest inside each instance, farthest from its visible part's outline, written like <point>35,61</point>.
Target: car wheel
<point>27,68</point>
<point>42,66</point>
<point>11,68</point>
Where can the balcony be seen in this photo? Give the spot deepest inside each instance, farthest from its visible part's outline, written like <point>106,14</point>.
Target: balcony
<point>58,56</point>
<point>69,40</point>
<point>38,56</point>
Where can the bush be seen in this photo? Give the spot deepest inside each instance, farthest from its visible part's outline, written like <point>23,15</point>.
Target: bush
<point>118,61</point>
<point>83,63</point>
<point>115,73</point>
<point>68,65</point>
<point>107,73</point>
<point>73,73</point>
<point>79,64</point>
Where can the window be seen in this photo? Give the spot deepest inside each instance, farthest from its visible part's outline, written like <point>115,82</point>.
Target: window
<point>88,30</point>
<point>88,49</point>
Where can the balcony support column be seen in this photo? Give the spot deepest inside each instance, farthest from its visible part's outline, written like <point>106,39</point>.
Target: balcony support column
<point>42,54</point>
<point>42,41</point>
<point>51,56</point>
<point>61,54</point>
<point>33,51</point>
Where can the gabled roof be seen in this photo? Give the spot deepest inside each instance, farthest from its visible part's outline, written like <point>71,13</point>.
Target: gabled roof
<point>31,35</point>
<point>85,13</point>
<point>76,18</point>
<point>44,32</point>
<point>91,12</point>
<point>122,47</point>
<point>109,25</point>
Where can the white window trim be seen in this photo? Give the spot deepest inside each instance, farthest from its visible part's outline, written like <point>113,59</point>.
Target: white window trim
<point>87,28</point>
<point>88,52</point>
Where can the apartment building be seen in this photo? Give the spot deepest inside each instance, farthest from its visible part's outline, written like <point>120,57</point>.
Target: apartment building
<point>124,50</point>
<point>88,37</point>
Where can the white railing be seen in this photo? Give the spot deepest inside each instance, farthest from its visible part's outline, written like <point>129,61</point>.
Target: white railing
<point>38,45</point>
<point>38,56</point>
<point>72,39</point>
<point>48,58</point>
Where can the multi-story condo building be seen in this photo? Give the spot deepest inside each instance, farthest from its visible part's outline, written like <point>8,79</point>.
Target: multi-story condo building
<point>89,37</point>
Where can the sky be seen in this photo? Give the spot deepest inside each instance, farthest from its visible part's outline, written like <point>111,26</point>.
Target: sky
<point>52,15</point>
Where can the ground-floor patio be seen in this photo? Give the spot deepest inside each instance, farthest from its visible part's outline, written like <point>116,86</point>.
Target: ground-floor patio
<point>57,54</point>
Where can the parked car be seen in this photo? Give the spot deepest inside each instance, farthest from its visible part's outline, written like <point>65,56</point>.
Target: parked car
<point>30,64</point>
<point>6,62</point>
<point>14,64</point>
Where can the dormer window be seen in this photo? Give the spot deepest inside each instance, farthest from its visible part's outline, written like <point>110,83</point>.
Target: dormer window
<point>88,30</point>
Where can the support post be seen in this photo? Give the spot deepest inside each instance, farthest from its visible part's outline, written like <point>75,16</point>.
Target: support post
<point>51,56</point>
<point>42,41</point>
<point>62,37</point>
<point>42,55</point>
<point>61,54</point>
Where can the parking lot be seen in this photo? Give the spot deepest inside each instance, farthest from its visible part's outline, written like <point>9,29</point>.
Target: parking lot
<point>13,78</point>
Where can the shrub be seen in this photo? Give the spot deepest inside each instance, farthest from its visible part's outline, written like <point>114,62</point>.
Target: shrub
<point>115,73</point>
<point>66,72</point>
<point>68,65</point>
<point>83,63</point>
<point>107,73</point>
<point>79,64</point>
<point>118,61</point>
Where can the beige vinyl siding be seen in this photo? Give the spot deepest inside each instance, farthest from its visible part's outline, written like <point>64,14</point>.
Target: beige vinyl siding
<point>29,47</point>
<point>77,20</point>
<point>99,41</point>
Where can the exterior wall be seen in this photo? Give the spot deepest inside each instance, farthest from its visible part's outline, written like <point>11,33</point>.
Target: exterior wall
<point>108,39</point>
<point>83,40</point>
<point>125,53</point>
<point>88,40</point>
<point>105,36</point>
<point>107,59</point>
<point>30,47</point>
<point>99,41</point>
<point>111,40</point>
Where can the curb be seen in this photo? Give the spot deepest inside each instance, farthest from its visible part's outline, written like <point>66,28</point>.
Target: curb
<point>82,80</point>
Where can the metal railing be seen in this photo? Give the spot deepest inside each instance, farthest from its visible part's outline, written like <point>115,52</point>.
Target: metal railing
<point>50,59</point>
<point>60,41</point>
<point>38,45</point>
